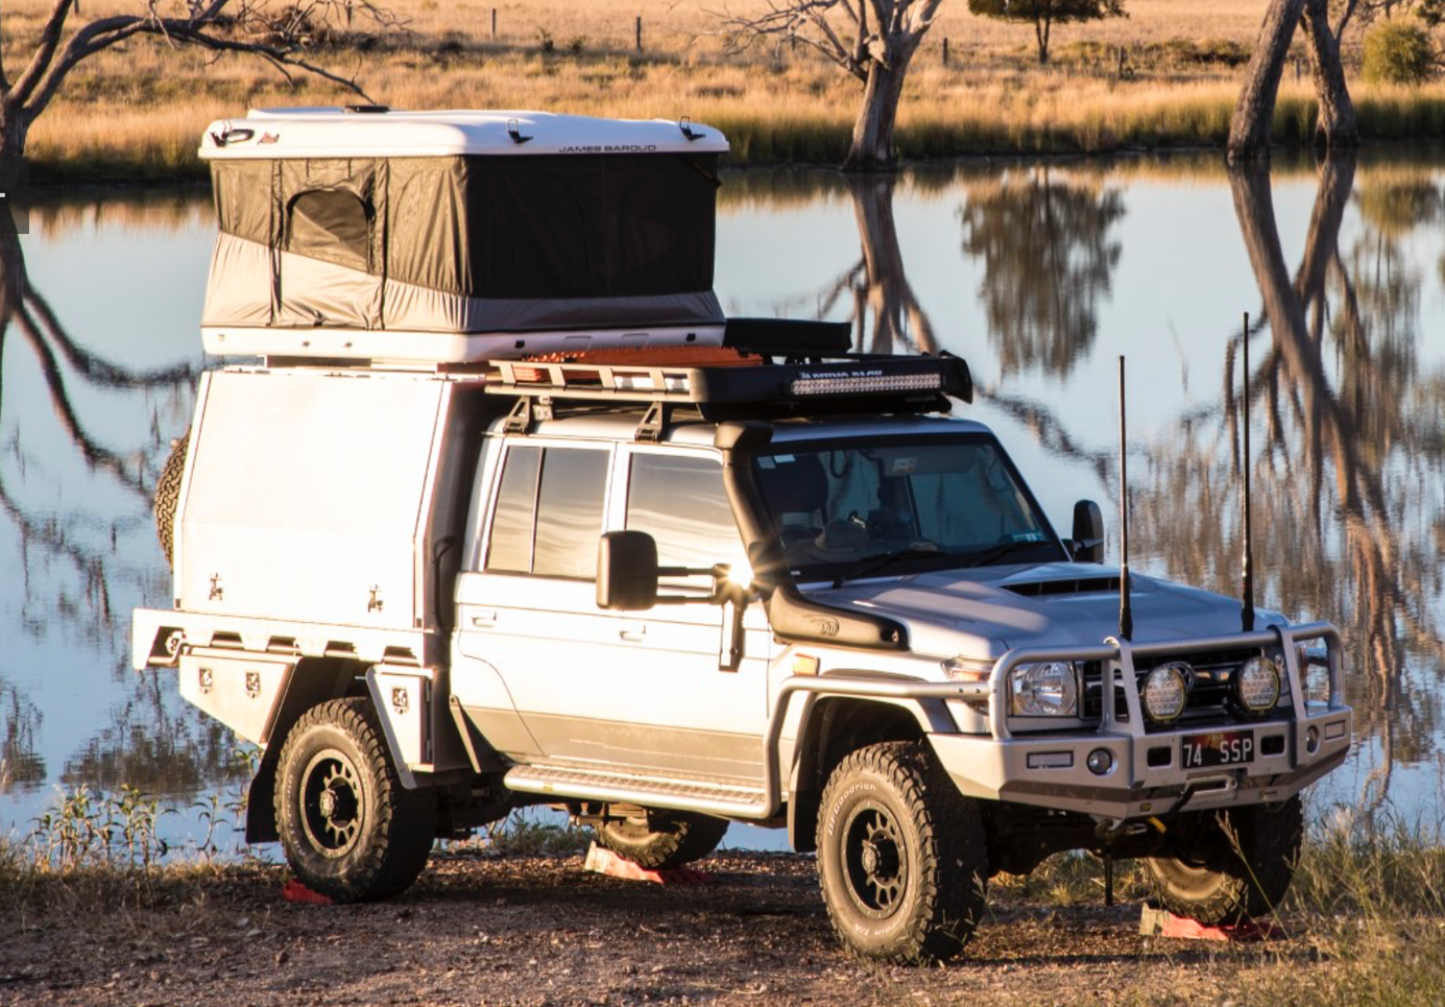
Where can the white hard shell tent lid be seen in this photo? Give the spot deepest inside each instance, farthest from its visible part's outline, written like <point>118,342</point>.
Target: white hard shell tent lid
<point>336,132</point>
<point>456,236</point>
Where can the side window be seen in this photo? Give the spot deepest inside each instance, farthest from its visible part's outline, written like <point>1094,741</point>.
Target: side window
<point>513,521</point>
<point>680,501</point>
<point>569,512</point>
<point>549,512</point>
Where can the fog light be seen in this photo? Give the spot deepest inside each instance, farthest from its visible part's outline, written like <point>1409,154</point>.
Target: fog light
<point>1166,690</point>
<point>1257,684</point>
<point>1100,761</point>
<point>1312,739</point>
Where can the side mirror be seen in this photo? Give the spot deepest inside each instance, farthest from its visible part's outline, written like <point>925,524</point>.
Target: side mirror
<point>1088,532</point>
<point>627,571</point>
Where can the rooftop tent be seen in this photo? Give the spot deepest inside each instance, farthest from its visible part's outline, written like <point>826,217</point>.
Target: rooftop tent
<point>377,234</point>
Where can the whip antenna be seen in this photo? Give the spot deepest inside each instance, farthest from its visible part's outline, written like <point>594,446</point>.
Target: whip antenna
<point>1126,612</point>
<point>1246,612</point>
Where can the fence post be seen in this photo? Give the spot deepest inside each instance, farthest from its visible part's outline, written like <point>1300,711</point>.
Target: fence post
<point>494,24</point>
<point>945,50</point>
<point>639,33</point>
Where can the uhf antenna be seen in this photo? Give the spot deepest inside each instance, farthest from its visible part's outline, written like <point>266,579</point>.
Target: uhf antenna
<point>1246,612</point>
<point>1126,612</point>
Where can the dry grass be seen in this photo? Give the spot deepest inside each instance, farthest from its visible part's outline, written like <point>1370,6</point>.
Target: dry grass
<point>136,112</point>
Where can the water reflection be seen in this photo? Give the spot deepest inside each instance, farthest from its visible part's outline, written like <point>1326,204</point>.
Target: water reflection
<point>1048,256</point>
<point>886,311</point>
<point>70,551</point>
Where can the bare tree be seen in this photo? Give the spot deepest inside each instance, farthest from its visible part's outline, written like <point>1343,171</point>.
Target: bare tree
<point>1249,129</point>
<point>276,32</point>
<point>874,40</point>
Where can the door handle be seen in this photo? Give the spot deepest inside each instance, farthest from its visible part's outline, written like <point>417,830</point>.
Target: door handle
<point>635,634</point>
<point>484,620</point>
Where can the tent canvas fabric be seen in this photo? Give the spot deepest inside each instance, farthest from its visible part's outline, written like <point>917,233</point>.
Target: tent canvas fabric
<point>465,243</point>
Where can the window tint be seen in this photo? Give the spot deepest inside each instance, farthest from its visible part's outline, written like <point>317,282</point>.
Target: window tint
<point>681,502</point>
<point>569,512</point>
<point>332,225</point>
<point>510,548</point>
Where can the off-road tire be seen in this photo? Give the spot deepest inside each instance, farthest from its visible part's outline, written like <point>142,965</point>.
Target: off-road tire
<point>371,837</point>
<point>902,856</point>
<point>168,495</point>
<point>663,839</point>
<point>1208,876</point>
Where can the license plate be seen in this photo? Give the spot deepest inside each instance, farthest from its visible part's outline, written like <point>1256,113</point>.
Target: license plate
<point>1222,748</point>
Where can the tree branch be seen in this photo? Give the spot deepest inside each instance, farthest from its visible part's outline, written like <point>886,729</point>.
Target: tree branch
<point>40,62</point>
<point>196,31</point>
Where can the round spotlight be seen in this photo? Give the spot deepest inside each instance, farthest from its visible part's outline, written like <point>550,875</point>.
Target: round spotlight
<point>1312,739</point>
<point>1166,690</point>
<point>1100,761</point>
<point>1256,684</point>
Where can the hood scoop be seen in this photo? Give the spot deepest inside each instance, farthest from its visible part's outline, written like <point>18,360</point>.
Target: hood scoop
<point>1064,586</point>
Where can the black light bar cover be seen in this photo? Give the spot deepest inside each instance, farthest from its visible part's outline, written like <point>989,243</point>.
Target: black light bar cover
<point>787,337</point>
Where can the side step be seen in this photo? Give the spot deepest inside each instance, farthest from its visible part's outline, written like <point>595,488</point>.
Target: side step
<point>637,788</point>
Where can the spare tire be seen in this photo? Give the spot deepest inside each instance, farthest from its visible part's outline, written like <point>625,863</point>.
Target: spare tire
<point>168,495</point>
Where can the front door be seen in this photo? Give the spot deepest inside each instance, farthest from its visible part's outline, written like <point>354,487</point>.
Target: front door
<point>631,690</point>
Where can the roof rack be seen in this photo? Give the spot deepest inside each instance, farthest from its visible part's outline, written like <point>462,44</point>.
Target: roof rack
<point>746,389</point>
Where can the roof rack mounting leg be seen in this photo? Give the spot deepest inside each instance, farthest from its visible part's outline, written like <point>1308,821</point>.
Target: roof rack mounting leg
<point>654,422</point>
<point>519,420</point>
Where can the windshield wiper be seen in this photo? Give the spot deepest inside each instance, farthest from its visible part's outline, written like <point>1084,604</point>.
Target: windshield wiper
<point>877,562</point>
<point>1004,549</point>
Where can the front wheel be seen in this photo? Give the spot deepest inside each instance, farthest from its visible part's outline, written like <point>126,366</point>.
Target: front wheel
<point>1229,866</point>
<point>350,830</point>
<point>658,840</point>
<point>902,856</point>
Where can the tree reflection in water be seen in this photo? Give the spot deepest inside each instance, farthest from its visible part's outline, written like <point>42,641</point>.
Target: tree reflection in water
<point>1048,259</point>
<point>149,744</point>
<point>1353,448</point>
<point>877,284</point>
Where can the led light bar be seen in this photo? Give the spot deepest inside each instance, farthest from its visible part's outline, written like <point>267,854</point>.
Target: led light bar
<point>865,382</point>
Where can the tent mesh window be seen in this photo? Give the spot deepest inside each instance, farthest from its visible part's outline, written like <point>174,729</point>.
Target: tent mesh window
<point>332,225</point>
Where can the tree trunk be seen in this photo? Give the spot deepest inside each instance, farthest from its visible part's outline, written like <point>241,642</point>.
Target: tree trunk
<point>872,146</point>
<point>1336,125</point>
<point>1041,32</point>
<point>1249,130</point>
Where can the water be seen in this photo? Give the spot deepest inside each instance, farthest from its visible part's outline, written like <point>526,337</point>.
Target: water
<point>1040,275</point>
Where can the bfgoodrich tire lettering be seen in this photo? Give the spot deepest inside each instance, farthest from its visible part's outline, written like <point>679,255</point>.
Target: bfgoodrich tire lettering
<point>1229,866</point>
<point>901,855</point>
<point>350,830</point>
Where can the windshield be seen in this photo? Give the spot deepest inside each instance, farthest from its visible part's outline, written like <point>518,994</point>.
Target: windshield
<point>842,511</point>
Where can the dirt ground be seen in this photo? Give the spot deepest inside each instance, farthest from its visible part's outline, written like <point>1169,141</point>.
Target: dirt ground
<point>539,932</point>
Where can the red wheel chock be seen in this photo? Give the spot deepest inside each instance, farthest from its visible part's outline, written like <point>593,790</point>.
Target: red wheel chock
<point>295,891</point>
<point>1154,922</point>
<point>601,861</point>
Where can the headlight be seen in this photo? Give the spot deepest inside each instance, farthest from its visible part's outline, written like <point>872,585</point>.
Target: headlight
<point>1166,691</point>
<point>1256,684</point>
<point>1049,689</point>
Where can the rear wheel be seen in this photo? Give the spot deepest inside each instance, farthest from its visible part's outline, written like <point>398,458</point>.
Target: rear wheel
<point>1229,866</point>
<point>350,830</point>
<point>658,840</point>
<point>902,856</point>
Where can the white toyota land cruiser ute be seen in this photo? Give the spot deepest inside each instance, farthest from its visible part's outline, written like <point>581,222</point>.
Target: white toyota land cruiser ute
<point>443,552</point>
